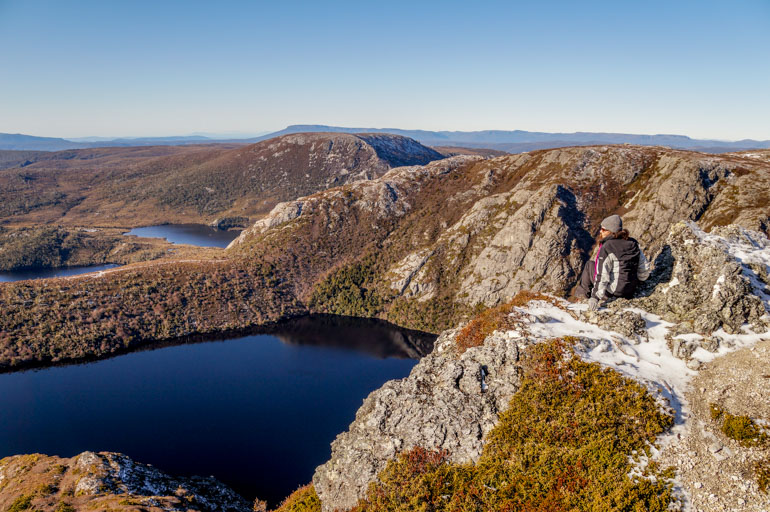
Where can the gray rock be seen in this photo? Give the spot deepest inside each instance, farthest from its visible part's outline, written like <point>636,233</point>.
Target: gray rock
<point>629,324</point>
<point>440,405</point>
<point>700,286</point>
<point>115,473</point>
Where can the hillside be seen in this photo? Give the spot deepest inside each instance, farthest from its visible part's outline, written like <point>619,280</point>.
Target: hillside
<point>21,142</point>
<point>510,141</point>
<point>128,187</point>
<point>462,233</point>
<point>422,246</point>
<point>105,481</point>
<point>545,427</point>
<point>537,404</point>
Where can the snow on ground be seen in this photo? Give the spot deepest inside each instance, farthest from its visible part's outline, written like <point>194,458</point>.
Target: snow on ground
<point>650,362</point>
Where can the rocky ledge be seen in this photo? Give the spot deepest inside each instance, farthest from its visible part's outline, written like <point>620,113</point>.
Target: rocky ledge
<point>440,405</point>
<point>708,296</point>
<point>106,481</point>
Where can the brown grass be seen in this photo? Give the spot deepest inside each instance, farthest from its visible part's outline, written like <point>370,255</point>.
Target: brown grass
<point>496,318</point>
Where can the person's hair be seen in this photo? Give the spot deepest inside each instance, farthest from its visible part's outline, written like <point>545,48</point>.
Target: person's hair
<point>623,233</point>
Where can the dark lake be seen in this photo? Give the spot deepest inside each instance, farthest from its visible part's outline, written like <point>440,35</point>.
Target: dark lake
<point>42,273</point>
<point>191,234</point>
<point>258,412</point>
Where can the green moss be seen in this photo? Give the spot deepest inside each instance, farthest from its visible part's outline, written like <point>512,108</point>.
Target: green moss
<point>564,444</point>
<point>65,507</point>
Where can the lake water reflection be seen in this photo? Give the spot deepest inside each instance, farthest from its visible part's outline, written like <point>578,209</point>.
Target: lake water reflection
<point>191,234</point>
<point>258,412</point>
<point>43,273</point>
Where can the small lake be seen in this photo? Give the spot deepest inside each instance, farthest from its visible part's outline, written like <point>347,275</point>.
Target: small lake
<point>43,273</point>
<point>191,234</point>
<point>258,412</point>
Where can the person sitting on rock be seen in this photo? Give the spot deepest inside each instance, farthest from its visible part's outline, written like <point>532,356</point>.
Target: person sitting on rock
<point>617,269</point>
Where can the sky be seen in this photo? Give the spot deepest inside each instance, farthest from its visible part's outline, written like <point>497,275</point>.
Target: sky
<point>156,68</point>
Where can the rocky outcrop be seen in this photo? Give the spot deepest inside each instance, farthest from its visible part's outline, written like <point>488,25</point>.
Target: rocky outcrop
<point>440,405</point>
<point>705,282</point>
<point>400,151</point>
<point>712,288</point>
<point>107,481</point>
<point>476,232</point>
<point>538,247</point>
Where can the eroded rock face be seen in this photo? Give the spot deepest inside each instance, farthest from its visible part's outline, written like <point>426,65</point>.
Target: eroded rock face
<point>109,481</point>
<point>708,288</point>
<point>476,232</point>
<point>439,405</point>
<point>538,248</point>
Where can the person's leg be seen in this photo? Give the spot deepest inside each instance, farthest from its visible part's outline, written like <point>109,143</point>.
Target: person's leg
<point>586,283</point>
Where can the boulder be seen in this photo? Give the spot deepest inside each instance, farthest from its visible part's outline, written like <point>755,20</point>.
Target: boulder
<point>703,284</point>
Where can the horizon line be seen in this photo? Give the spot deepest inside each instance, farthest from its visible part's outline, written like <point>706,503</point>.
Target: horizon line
<point>224,135</point>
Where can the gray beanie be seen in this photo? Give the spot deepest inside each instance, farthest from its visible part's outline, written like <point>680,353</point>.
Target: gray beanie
<point>613,223</point>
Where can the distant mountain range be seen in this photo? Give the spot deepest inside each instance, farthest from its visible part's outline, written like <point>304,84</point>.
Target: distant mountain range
<point>513,141</point>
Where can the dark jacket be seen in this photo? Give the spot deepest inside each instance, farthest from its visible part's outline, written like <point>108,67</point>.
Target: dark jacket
<point>619,267</point>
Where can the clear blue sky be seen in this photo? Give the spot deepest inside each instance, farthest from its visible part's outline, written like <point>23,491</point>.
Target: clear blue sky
<point>128,68</point>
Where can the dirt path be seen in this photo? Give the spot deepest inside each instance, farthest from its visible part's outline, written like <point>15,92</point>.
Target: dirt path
<point>716,472</point>
<point>102,273</point>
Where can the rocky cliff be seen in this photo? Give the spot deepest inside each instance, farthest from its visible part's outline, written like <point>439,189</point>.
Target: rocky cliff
<point>712,294</point>
<point>465,232</point>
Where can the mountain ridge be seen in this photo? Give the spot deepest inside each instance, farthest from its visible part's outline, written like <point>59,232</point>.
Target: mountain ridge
<point>130,186</point>
<point>521,140</point>
<point>512,141</point>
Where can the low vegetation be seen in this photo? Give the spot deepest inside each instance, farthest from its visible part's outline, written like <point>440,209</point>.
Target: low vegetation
<point>571,440</point>
<point>303,499</point>
<point>23,502</point>
<point>493,319</point>
<point>432,315</point>
<point>739,428</point>
<point>56,246</point>
<point>348,291</point>
<point>85,317</point>
<point>748,433</point>
<point>762,471</point>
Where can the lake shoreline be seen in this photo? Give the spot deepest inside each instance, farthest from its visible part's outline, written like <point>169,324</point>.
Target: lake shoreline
<point>257,393</point>
<point>193,338</point>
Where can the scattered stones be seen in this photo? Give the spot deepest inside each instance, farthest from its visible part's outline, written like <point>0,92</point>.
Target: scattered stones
<point>715,471</point>
<point>628,323</point>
